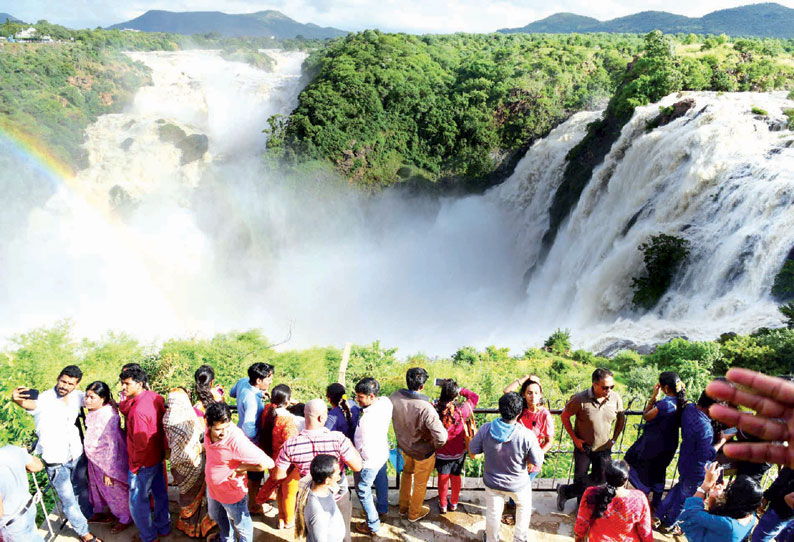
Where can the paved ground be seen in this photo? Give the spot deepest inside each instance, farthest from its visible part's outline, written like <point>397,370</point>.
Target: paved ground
<point>466,524</point>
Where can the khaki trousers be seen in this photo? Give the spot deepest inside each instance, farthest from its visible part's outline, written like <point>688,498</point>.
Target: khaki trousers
<point>413,484</point>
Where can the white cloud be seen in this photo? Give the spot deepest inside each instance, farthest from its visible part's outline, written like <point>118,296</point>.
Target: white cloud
<point>417,16</point>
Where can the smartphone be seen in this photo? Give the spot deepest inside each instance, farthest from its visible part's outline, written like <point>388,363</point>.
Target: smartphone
<point>32,394</point>
<point>439,381</point>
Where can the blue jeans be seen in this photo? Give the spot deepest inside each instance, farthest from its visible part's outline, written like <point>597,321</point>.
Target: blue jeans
<point>149,481</point>
<point>364,481</point>
<point>673,504</point>
<point>656,488</point>
<point>769,526</point>
<point>233,520</point>
<point>23,529</point>
<point>70,481</point>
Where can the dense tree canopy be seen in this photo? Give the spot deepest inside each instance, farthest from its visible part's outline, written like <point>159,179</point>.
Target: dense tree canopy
<point>390,107</point>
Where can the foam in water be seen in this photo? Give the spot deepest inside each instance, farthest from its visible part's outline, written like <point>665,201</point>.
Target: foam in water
<point>222,243</point>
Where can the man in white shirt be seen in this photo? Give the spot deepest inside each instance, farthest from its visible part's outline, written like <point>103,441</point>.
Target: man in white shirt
<point>372,442</point>
<point>17,510</point>
<point>55,413</point>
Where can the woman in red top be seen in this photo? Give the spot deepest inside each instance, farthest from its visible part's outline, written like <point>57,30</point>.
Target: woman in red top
<point>278,425</point>
<point>610,512</point>
<point>536,418</point>
<point>451,457</point>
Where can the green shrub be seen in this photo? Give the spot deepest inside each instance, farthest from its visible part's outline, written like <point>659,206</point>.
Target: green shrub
<point>583,356</point>
<point>625,360</point>
<point>559,342</point>
<point>640,381</point>
<point>790,114</point>
<point>663,256</point>
<point>693,361</point>
<point>758,111</point>
<point>783,287</point>
<point>744,351</point>
<point>467,355</point>
<point>493,354</point>
<point>535,353</point>
<point>787,310</point>
<point>782,342</point>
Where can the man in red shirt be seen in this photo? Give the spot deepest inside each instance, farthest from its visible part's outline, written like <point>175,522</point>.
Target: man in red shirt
<point>143,410</point>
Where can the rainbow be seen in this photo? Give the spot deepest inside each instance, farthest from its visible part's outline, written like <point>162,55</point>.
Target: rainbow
<point>33,152</point>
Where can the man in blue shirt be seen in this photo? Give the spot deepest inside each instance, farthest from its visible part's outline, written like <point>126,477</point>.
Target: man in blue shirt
<point>697,436</point>
<point>251,393</point>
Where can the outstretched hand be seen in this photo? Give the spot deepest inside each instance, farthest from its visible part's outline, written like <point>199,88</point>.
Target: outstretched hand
<point>772,399</point>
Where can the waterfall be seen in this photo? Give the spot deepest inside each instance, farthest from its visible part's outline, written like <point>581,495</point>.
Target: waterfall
<point>159,239</point>
<point>722,177</point>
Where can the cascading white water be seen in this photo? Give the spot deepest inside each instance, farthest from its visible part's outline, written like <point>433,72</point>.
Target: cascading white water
<point>720,178</point>
<point>221,243</point>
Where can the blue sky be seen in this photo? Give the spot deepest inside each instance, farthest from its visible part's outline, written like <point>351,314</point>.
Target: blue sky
<point>417,16</point>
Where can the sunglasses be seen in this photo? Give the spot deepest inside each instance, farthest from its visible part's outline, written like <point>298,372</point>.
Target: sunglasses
<point>609,387</point>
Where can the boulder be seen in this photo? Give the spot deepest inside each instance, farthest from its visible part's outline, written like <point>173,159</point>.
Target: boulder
<point>192,146</point>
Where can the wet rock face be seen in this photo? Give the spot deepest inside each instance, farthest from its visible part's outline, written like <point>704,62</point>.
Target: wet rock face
<point>617,346</point>
<point>678,110</point>
<point>192,146</point>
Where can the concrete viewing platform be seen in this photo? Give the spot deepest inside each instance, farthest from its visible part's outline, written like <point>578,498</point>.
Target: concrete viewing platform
<point>465,524</point>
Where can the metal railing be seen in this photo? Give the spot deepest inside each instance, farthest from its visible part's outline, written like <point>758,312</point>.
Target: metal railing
<point>563,447</point>
<point>38,500</point>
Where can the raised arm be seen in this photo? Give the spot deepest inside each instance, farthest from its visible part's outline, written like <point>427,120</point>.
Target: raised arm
<point>516,384</point>
<point>651,409</point>
<point>19,397</point>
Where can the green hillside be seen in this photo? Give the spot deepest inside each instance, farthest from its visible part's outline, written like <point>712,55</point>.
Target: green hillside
<point>453,110</point>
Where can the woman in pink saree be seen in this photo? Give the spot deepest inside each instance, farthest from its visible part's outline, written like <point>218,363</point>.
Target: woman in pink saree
<point>106,450</point>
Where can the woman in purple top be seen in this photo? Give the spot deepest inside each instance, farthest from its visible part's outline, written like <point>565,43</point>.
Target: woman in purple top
<point>341,417</point>
<point>106,450</point>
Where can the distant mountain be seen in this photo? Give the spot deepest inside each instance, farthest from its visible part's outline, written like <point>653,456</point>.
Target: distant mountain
<point>550,25</point>
<point>646,21</point>
<point>8,17</point>
<point>261,23</point>
<point>761,20</point>
<point>768,20</point>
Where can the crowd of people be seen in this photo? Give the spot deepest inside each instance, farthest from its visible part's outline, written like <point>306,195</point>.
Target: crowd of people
<point>296,456</point>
